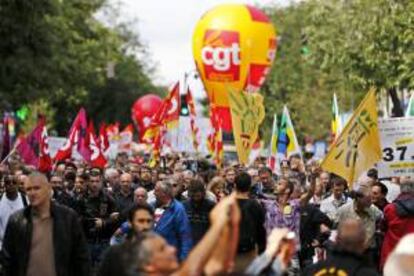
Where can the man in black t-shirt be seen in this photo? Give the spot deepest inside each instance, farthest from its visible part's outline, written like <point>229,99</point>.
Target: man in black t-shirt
<point>252,235</point>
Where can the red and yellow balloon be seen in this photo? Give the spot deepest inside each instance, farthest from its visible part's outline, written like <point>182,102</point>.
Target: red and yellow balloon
<point>143,110</point>
<point>233,46</point>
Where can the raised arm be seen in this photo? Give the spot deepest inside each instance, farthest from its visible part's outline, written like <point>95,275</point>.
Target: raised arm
<point>205,251</point>
<point>304,199</point>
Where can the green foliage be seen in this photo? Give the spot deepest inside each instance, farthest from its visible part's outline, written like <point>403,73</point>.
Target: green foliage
<point>349,47</point>
<point>39,107</point>
<point>58,51</point>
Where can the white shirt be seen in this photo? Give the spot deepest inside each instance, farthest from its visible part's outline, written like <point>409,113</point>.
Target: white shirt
<point>330,206</point>
<point>7,208</point>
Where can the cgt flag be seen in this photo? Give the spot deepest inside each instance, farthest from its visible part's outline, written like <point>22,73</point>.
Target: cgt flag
<point>193,115</point>
<point>358,146</point>
<point>168,114</point>
<point>247,113</point>
<point>77,136</point>
<point>34,149</point>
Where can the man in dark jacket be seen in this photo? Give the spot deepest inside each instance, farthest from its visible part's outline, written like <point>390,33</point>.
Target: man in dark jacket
<point>314,230</point>
<point>44,238</point>
<point>347,257</point>
<point>99,217</point>
<point>198,208</point>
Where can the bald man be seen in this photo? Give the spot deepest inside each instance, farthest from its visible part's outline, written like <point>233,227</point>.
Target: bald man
<point>44,238</point>
<point>347,257</point>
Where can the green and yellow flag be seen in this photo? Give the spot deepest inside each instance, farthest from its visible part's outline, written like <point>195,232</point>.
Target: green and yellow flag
<point>358,146</point>
<point>247,113</point>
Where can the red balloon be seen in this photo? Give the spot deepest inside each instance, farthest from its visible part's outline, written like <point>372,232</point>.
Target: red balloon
<point>143,110</point>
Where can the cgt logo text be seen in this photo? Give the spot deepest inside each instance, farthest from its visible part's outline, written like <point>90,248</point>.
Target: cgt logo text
<point>221,55</point>
<point>220,58</point>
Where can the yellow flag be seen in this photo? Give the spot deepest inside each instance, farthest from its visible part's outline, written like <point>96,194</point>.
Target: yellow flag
<point>247,112</point>
<point>358,146</point>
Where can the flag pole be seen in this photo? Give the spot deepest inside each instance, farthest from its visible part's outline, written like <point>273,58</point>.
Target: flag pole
<point>8,155</point>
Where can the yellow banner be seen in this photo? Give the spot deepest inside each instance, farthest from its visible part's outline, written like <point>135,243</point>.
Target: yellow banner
<point>247,112</point>
<point>358,146</point>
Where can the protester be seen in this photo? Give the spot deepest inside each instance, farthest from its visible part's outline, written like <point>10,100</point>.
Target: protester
<point>45,238</point>
<point>398,218</point>
<point>330,205</point>
<point>140,219</point>
<point>152,255</point>
<point>198,208</point>
<point>362,208</point>
<point>347,257</point>
<point>99,217</point>
<point>265,187</point>
<point>146,178</point>
<point>314,231</point>
<point>11,201</point>
<point>140,195</point>
<point>124,198</point>
<point>171,220</point>
<point>112,180</point>
<point>60,194</point>
<point>252,239</point>
<point>230,177</point>
<point>379,195</point>
<point>216,187</point>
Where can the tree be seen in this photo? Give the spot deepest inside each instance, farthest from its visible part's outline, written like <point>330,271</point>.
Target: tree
<point>58,51</point>
<point>328,46</point>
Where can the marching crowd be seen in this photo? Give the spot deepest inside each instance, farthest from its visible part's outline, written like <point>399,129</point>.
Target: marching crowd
<point>188,217</point>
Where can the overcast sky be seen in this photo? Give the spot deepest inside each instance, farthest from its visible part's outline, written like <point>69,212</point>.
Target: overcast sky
<point>166,27</point>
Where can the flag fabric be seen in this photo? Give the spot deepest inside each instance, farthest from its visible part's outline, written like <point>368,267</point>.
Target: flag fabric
<point>6,138</point>
<point>103,140</point>
<point>34,149</point>
<point>126,136</point>
<point>168,114</point>
<point>410,108</point>
<point>247,113</point>
<point>336,126</point>
<point>97,158</point>
<point>193,115</point>
<point>287,143</point>
<point>112,130</point>
<point>215,138</point>
<point>272,160</point>
<point>358,146</point>
<point>77,132</point>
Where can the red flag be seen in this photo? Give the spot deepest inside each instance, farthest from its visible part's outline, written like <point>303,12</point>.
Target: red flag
<point>34,149</point>
<point>97,158</point>
<point>76,134</point>
<point>103,138</point>
<point>215,139</point>
<point>168,114</point>
<point>193,115</point>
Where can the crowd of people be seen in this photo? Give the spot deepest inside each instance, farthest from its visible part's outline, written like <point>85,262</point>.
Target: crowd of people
<point>188,217</point>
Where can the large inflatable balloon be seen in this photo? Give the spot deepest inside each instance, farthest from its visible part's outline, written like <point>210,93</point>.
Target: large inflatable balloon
<point>233,46</point>
<point>143,110</point>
